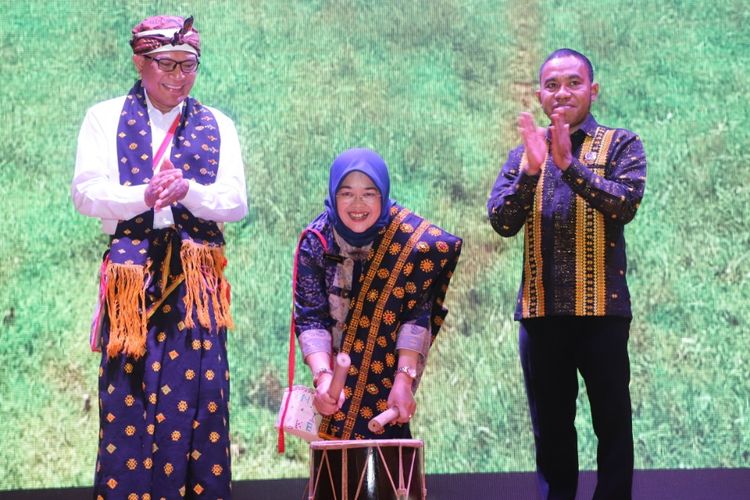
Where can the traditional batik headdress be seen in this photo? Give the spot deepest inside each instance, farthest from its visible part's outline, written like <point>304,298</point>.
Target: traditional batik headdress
<point>165,33</point>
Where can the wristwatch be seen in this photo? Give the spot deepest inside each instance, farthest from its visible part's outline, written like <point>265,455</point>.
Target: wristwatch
<point>410,371</point>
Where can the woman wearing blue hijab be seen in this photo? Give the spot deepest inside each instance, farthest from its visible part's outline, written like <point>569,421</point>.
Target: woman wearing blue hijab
<point>370,280</point>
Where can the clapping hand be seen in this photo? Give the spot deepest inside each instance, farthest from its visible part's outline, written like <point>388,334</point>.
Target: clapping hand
<point>167,186</point>
<point>535,142</point>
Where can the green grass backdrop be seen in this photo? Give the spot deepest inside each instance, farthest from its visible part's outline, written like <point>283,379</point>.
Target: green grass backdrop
<point>435,87</point>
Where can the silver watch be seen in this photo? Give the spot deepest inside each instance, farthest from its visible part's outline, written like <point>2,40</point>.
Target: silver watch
<point>410,371</point>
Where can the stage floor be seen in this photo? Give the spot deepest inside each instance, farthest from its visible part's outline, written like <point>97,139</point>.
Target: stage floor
<point>693,484</point>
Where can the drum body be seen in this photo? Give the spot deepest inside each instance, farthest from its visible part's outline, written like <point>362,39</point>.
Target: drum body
<point>375,469</point>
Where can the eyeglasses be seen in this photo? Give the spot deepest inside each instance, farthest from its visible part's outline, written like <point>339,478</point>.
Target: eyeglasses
<point>168,65</point>
<point>369,198</point>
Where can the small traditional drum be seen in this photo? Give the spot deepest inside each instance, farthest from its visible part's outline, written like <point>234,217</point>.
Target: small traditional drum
<point>376,469</point>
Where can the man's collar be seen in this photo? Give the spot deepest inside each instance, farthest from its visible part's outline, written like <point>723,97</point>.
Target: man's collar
<point>152,109</point>
<point>589,125</point>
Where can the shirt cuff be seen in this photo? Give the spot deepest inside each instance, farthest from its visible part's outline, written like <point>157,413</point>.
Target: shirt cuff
<point>312,341</point>
<point>526,182</point>
<point>574,172</point>
<point>415,338</point>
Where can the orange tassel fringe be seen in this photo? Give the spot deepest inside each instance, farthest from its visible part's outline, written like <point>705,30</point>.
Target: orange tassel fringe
<point>126,307</point>
<point>206,289</point>
<point>203,268</point>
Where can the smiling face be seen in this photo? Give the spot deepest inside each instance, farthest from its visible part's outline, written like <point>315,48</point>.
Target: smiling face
<point>166,89</point>
<point>358,202</point>
<point>566,87</point>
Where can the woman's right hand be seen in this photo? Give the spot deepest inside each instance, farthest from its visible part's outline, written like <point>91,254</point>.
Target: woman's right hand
<point>323,402</point>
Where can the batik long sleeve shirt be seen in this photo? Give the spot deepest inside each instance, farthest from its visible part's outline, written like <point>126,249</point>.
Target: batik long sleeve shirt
<point>574,246</point>
<point>323,294</point>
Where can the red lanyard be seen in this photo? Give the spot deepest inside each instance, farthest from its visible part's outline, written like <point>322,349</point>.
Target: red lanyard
<point>292,336</point>
<point>165,144</point>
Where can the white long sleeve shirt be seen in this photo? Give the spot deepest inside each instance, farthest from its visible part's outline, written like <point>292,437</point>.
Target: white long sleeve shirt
<point>96,188</point>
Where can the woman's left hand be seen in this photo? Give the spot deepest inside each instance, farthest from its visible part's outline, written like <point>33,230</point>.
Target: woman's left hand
<point>402,397</point>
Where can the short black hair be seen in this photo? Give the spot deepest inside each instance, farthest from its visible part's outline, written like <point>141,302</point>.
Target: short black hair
<point>564,52</point>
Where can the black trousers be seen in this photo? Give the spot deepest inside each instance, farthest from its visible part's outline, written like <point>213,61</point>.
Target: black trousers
<point>552,351</point>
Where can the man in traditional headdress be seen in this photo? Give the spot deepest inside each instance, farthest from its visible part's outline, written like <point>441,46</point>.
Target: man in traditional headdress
<point>163,173</point>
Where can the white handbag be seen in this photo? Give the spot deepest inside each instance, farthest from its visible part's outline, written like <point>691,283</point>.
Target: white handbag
<point>302,419</point>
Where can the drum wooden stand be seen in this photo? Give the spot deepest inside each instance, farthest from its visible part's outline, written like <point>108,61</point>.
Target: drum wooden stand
<point>376,469</point>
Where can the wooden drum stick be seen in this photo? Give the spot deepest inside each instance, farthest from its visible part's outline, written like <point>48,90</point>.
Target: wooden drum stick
<point>339,375</point>
<point>388,416</point>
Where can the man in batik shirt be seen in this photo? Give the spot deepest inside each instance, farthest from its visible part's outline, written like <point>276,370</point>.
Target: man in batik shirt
<point>163,173</point>
<point>573,186</point>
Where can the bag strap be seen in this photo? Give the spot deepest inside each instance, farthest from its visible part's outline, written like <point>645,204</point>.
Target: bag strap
<point>292,336</point>
<point>163,147</point>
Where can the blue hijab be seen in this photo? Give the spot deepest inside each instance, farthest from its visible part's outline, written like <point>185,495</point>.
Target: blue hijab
<point>373,166</point>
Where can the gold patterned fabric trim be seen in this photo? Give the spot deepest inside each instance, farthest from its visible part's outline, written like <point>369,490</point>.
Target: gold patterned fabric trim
<point>590,234</point>
<point>372,335</point>
<point>358,305</point>
<point>533,285</point>
<point>602,148</point>
<point>372,270</point>
<point>374,323</point>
